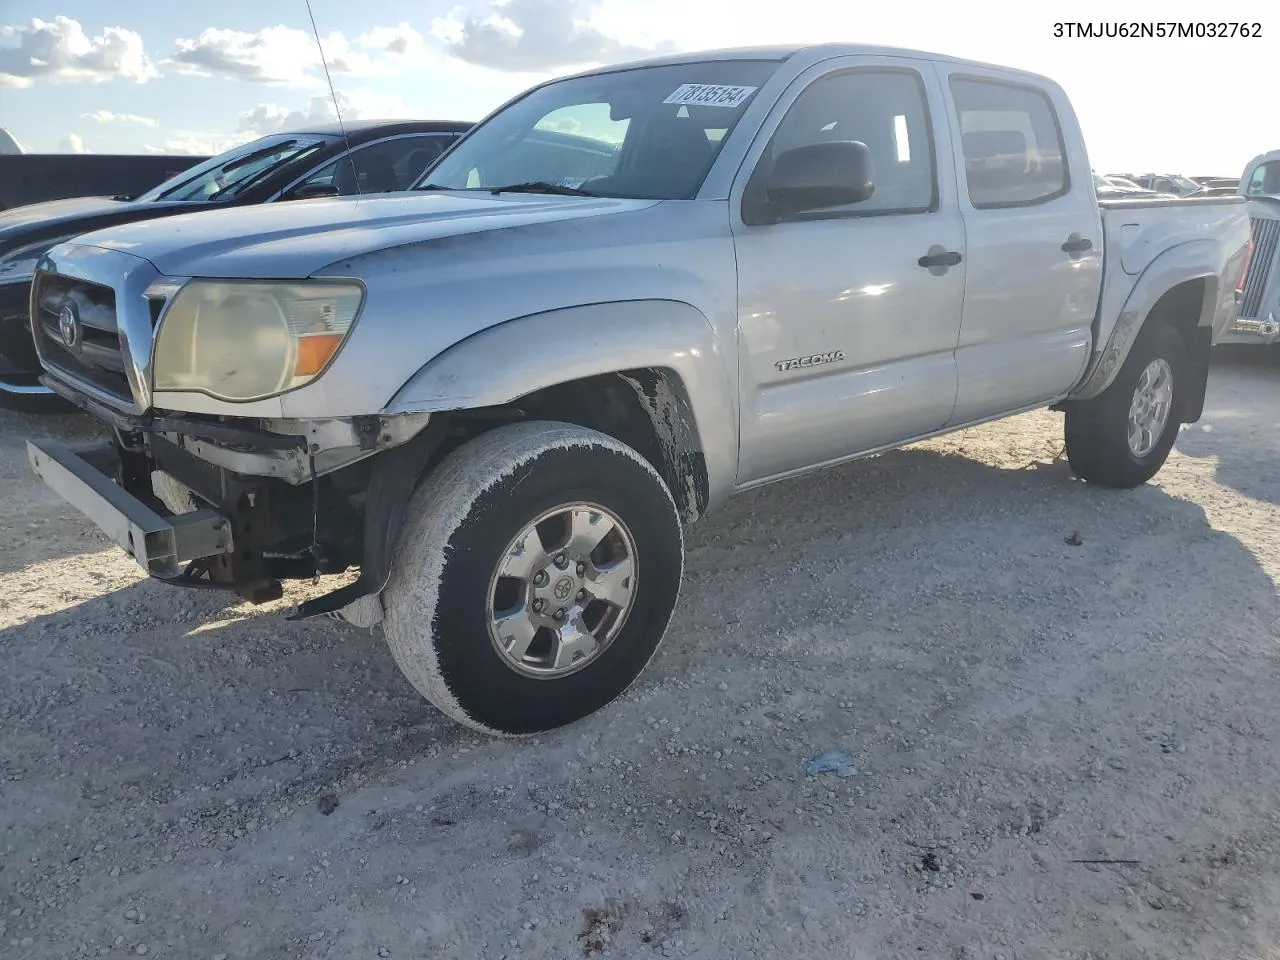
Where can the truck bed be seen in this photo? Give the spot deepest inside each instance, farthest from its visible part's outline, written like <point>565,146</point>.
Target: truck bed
<point>1139,229</point>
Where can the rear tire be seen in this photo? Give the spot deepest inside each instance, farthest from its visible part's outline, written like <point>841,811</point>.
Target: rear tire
<point>479,616</point>
<point>1122,437</point>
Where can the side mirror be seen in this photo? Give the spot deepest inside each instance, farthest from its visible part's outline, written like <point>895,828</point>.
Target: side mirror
<point>817,175</point>
<point>311,190</point>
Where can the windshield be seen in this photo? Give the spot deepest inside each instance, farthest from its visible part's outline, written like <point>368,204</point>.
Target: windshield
<point>227,174</point>
<point>648,132</point>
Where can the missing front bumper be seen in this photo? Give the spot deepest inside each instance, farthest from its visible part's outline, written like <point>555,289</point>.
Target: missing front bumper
<point>163,545</point>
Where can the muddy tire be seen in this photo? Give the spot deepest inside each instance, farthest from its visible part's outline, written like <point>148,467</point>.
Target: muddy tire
<point>534,578</point>
<point>1122,437</point>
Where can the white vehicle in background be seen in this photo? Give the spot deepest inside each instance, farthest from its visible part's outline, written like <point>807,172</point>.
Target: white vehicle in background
<point>1258,320</point>
<point>1111,186</point>
<point>1169,183</point>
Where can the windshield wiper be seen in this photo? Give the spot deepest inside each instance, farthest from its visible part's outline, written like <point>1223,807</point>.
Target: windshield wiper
<point>541,186</point>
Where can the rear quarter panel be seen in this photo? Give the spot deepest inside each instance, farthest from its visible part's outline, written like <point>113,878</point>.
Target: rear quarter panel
<point>1152,246</point>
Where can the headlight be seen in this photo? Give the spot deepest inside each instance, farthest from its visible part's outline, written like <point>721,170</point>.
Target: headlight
<point>19,265</point>
<point>245,340</point>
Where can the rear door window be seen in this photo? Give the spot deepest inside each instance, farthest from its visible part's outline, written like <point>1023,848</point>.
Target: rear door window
<point>1012,143</point>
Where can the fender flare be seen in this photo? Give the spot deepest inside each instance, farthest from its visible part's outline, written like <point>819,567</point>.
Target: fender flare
<point>1186,262</point>
<point>502,363</point>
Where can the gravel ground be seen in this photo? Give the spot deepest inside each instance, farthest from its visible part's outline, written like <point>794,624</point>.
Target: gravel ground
<point>183,778</point>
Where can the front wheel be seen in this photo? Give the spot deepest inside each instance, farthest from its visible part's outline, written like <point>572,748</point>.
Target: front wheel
<point>1122,437</point>
<point>535,577</point>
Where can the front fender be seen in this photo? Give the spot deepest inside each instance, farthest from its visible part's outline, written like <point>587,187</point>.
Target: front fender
<point>503,363</point>
<point>1206,260</point>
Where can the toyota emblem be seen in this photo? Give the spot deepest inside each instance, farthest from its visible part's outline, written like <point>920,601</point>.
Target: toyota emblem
<point>69,326</point>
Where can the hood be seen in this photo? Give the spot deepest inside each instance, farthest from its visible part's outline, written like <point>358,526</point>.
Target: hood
<point>294,240</point>
<point>76,215</point>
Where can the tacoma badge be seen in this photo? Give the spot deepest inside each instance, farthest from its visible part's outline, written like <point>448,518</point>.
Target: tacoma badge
<point>810,361</point>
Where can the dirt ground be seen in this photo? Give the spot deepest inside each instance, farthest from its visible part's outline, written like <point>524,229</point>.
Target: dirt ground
<point>1063,749</point>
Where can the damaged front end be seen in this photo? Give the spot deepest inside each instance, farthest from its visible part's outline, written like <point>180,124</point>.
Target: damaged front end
<point>244,504</point>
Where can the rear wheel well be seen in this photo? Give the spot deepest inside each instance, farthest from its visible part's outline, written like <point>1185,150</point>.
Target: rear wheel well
<point>648,409</point>
<point>1184,308</point>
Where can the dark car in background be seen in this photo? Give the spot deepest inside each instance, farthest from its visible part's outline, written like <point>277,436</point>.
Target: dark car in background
<point>322,161</point>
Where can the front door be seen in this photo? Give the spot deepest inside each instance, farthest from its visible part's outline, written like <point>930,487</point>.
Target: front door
<point>848,317</point>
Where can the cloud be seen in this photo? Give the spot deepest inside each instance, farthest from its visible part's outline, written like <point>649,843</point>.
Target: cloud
<point>73,143</point>
<point>106,116</point>
<point>201,144</point>
<point>534,36</point>
<point>276,54</point>
<point>268,118</point>
<point>289,56</point>
<point>60,51</point>
<point>398,41</point>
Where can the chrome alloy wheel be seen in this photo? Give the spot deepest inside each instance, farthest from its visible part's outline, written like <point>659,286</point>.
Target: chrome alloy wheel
<point>562,590</point>
<point>1149,410</point>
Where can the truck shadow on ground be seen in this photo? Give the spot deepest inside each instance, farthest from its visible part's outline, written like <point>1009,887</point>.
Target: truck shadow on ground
<point>932,589</point>
<point>1240,427</point>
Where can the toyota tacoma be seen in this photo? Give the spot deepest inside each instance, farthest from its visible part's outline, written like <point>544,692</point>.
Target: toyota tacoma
<point>504,394</point>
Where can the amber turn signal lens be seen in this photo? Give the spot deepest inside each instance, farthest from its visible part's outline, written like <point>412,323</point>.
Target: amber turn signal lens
<point>315,350</point>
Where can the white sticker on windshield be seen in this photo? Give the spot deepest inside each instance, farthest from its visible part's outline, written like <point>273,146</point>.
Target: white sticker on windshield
<point>710,95</point>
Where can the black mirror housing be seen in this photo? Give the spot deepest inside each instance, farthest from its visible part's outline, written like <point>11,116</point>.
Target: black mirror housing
<point>817,175</point>
<point>313,190</point>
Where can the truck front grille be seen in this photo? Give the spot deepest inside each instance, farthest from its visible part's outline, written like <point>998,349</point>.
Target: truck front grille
<point>1266,233</point>
<point>93,355</point>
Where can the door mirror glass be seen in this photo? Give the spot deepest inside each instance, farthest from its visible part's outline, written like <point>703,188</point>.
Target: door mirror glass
<point>814,176</point>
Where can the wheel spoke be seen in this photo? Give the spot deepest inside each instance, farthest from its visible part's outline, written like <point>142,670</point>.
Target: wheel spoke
<point>516,631</point>
<point>526,556</point>
<point>573,643</point>
<point>612,584</point>
<point>586,530</point>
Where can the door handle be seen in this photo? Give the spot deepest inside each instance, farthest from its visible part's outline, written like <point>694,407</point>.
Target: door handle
<point>1077,244</point>
<point>945,258</point>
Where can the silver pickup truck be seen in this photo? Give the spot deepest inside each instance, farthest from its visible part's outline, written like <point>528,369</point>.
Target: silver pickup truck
<point>621,298</point>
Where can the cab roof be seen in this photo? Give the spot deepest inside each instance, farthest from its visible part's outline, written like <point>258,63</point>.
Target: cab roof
<point>810,51</point>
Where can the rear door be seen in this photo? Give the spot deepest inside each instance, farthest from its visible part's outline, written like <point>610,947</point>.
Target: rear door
<point>1034,241</point>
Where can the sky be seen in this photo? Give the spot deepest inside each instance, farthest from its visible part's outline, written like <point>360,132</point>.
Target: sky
<point>152,76</point>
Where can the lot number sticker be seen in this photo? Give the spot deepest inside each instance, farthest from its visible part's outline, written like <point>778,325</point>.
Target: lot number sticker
<point>710,95</point>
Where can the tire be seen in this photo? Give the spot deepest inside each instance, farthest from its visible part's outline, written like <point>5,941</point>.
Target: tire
<point>1098,430</point>
<point>444,586</point>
